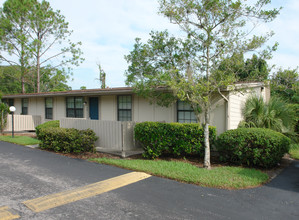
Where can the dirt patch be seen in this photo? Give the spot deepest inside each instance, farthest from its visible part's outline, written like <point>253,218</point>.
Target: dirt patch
<point>89,155</point>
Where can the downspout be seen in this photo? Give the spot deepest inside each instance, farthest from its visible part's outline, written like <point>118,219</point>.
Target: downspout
<point>227,109</point>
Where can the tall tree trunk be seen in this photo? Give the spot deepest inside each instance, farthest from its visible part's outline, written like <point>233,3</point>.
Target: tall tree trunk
<point>23,72</point>
<point>38,74</point>
<point>207,159</point>
<point>38,63</point>
<point>23,84</point>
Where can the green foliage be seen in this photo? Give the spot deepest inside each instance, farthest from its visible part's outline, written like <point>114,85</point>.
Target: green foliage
<point>254,69</point>
<point>32,35</point>
<point>67,140</point>
<point>48,124</point>
<point>219,177</point>
<point>295,108</point>
<point>214,30</point>
<point>21,140</point>
<point>52,80</point>
<point>294,151</point>
<point>171,138</point>
<point>252,147</point>
<point>10,78</point>
<point>4,110</point>
<point>285,83</point>
<point>276,114</point>
<point>14,37</point>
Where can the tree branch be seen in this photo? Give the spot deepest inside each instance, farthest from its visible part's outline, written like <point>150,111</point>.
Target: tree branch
<point>52,57</point>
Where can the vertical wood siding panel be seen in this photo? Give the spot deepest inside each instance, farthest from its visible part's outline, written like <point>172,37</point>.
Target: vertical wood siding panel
<point>109,132</point>
<point>23,122</point>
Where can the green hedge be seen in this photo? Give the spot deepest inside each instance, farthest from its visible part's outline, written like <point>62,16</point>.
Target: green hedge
<point>48,124</point>
<point>176,139</point>
<point>67,140</point>
<point>252,147</point>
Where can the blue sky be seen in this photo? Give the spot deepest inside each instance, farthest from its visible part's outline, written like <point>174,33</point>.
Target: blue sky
<point>108,28</point>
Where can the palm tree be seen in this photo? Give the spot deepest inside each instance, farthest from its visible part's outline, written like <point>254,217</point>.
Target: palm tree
<point>275,115</point>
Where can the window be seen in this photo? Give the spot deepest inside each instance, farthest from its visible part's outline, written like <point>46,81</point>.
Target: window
<point>9,102</point>
<point>24,107</point>
<point>74,107</point>
<point>124,105</point>
<point>185,113</point>
<point>49,108</point>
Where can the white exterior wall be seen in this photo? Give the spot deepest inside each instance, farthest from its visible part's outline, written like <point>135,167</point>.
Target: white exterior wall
<point>18,105</point>
<point>108,108</point>
<point>144,111</point>
<point>59,108</point>
<point>218,115</point>
<point>236,104</point>
<point>224,115</point>
<point>36,106</point>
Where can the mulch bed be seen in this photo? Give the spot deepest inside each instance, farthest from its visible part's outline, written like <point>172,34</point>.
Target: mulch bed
<point>272,173</point>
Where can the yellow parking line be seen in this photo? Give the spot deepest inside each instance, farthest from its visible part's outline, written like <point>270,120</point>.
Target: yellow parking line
<point>6,214</point>
<point>62,198</point>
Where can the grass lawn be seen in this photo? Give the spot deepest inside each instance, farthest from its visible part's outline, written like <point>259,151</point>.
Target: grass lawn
<point>294,151</point>
<point>22,140</point>
<point>219,177</point>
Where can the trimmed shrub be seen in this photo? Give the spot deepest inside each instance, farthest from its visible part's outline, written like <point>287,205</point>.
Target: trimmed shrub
<point>48,124</point>
<point>67,140</point>
<point>252,147</point>
<point>4,110</point>
<point>176,139</point>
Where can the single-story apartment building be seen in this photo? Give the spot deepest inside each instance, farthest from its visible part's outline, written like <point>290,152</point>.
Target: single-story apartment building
<point>122,104</point>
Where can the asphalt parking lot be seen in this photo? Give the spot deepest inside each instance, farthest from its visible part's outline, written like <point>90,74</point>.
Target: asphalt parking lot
<point>28,174</point>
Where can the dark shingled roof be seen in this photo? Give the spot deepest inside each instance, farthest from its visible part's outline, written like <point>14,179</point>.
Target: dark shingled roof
<point>111,91</point>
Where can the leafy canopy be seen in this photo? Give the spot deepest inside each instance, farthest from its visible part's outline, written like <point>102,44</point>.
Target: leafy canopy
<point>52,80</point>
<point>285,83</point>
<point>253,69</point>
<point>34,38</point>
<point>214,30</point>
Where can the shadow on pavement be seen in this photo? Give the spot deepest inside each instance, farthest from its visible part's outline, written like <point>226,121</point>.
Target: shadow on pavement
<point>288,179</point>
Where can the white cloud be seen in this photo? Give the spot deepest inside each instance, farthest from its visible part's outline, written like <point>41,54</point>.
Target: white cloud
<point>286,30</point>
<point>108,28</point>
